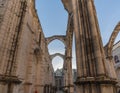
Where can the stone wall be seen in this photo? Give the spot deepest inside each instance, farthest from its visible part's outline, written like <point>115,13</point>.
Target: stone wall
<point>25,64</point>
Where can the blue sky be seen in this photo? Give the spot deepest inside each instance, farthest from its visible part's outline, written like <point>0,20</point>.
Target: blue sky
<point>108,16</point>
<point>54,18</point>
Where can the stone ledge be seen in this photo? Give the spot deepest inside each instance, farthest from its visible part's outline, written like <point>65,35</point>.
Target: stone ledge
<point>67,86</point>
<point>27,83</point>
<point>10,79</point>
<point>92,80</point>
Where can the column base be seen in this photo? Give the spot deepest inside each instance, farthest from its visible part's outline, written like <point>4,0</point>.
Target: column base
<point>97,80</point>
<point>95,85</point>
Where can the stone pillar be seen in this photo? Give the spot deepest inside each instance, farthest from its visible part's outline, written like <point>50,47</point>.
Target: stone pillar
<point>96,41</point>
<point>39,81</point>
<point>91,64</point>
<point>27,87</point>
<point>69,77</point>
<point>77,38</point>
<point>3,88</point>
<point>68,58</point>
<point>44,88</point>
<point>110,64</point>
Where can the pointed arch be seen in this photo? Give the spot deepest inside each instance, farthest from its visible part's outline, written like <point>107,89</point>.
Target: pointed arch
<point>109,46</point>
<point>62,38</point>
<point>57,54</point>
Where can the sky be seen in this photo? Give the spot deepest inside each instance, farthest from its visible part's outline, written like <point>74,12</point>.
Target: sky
<point>53,18</point>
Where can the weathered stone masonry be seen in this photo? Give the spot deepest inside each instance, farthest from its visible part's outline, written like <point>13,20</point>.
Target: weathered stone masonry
<point>93,73</point>
<point>25,64</point>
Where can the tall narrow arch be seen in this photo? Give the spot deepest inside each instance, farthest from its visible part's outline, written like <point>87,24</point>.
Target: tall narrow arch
<point>56,64</point>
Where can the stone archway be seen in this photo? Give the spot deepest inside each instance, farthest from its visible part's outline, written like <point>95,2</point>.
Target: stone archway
<point>59,73</point>
<point>62,38</point>
<point>109,46</point>
<point>108,52</point>
<point>57,54</point>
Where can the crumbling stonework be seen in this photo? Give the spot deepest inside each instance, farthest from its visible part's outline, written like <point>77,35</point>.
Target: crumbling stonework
<point>25,65</point>
<point>94,75</point>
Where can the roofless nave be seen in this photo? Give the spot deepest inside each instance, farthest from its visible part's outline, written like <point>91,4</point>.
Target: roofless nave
<point>26,66</point>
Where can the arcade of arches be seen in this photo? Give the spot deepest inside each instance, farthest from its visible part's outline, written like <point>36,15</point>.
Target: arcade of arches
<point>25,65</point>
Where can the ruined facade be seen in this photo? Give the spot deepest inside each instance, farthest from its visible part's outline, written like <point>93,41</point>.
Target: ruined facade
<point>112,54</point>
<point>25,65</point>
<point>95,70</point>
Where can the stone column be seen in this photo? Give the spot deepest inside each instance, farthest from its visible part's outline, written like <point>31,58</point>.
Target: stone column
<point>77,38</point>
<point>69,77</point>
<point>91,64</point>
<point>39,82</point>
<point>96,41</point>
<point>68,60</point>
<point>110,65</point>
<point>45,89</point>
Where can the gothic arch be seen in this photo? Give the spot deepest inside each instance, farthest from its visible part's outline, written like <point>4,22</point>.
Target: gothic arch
<point>57,54</point>
<point>109,46</point>
<point>62,38</point>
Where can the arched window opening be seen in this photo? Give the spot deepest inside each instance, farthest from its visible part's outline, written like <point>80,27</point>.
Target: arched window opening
<point>116,59</point>
<point>57,63</point>
<point>56,46</point>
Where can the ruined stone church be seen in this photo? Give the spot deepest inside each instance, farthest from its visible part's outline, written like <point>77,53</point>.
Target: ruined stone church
<point>25,63</point>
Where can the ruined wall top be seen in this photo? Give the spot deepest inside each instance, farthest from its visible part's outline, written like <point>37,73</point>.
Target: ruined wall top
<point>67,5</point>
